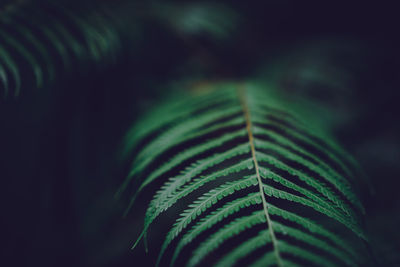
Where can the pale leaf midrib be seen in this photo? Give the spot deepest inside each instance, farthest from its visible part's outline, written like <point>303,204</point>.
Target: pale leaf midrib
<point>243,101</point>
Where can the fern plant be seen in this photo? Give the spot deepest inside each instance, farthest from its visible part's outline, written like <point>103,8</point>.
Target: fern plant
<point>40,42</point>
<point>261,182</point>
<point>35,45</point>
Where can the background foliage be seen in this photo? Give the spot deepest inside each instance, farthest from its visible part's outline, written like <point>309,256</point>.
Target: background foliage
<point>60,143</point>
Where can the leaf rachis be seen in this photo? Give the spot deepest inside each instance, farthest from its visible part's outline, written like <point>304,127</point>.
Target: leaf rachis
<point>243,101</point>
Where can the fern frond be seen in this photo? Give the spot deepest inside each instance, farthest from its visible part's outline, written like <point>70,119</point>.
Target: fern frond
<point>37,46</point>
<point>239,150</point>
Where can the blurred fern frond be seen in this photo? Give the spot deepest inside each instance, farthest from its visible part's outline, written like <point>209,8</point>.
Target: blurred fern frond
<point>39,42</point>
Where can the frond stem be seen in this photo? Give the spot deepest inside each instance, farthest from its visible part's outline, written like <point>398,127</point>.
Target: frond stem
<point>243,101</point>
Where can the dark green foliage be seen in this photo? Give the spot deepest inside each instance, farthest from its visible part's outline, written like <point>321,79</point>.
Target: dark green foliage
<point>37,45</point>
<point>239,157</point>
<point>98,62</point>
<point>40,42</point>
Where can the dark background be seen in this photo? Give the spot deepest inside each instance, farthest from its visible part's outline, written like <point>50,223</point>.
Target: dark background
<point>59,145</point>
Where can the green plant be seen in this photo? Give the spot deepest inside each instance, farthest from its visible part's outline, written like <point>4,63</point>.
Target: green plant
<point>233,173</point>
<point>36,46</point>
<point>250,166</point>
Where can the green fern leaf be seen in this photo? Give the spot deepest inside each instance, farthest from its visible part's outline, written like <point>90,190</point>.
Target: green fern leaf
<point>249,159</point>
